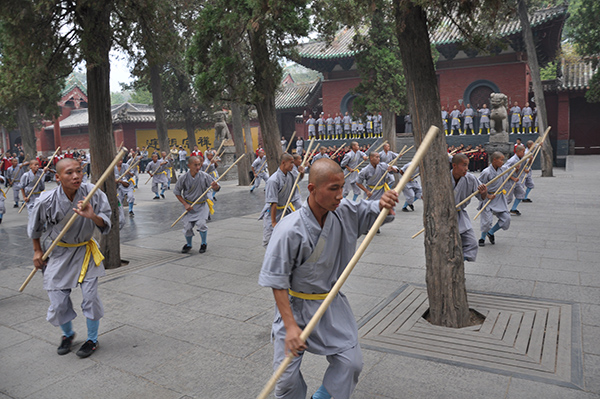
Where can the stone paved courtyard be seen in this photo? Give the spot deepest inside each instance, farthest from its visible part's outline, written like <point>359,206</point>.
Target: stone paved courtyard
<point>197,325</point>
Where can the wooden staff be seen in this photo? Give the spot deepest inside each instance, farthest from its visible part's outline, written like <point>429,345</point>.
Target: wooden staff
<point>86,201</point>
<point>128,169</point>
<point>152,175</point>
<point>496,193</point>
<point>461,203</point>
<point>339,149</point>
<point>313,155</point>
<point>297,178</point>
<point>290,142</point>
<point>38,180</point>
<point>208,189</point>
<point>12,180</point>
<point>363,161</point>
<point>433,131</point>
<point>259,172</point>
<point>221,146</point>
<point>390,164</point>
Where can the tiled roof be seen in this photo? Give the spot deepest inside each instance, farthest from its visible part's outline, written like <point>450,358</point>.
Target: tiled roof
<point>446,33</point>
<point>296,95</point>
<point>74,81</point>
<point>125,112</point>
<point>576,76</point>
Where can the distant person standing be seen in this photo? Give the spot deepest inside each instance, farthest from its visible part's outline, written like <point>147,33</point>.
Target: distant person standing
<point>468,114</point>
<point>311,122</point>
<point>527,114</point>
<point>407,124</point>
<point>455,124</point>
<point>484,122</point>
<point>515,118</point>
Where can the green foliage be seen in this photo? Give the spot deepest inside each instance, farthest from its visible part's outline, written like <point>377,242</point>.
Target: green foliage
<point>593,93</point>
<point>548,72</point>
<point>227,56</point>
<point>117,98</point>
<point>33,60</point>
<point>583,27</point>
<point>141,96</point>
<point>383,86</point>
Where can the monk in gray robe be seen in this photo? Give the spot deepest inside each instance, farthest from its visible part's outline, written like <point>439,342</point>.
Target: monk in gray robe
<point>298,169</point>
<point>465,184</point>
<point>28,180</point>
<point>14,173</point>
<point>529,178</point>
<point>2,198</point>
<point>307,254</point>
<point>158,169</point>
<point>189,187</point>
<point>125,185</point>
<point>386,155</point>
<point>260,168</point>
<point>498,206</point>
<point>76,260</point>
<point>518,191</point>
<point>277,192</point>
<point>371,176</point>
<point>350,162</point>
<point>412,191</point>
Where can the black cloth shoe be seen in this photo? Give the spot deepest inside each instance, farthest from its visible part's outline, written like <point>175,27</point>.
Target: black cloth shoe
<point>87,349</point>
<point>526,200</point>
<point>202,248</point>
<point>515,212</point>
<point>131,214</point>
<point>491,238</point>
<point>405,210</point>
<point>481,242</point>
<point>186,248</point>
<point>163,196</point>
<point>157,197</point>
<point>412,208</point>
<point>65,345</point>
<point>15,205</point>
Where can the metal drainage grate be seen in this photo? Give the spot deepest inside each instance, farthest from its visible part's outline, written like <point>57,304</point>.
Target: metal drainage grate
<point>523,337</point>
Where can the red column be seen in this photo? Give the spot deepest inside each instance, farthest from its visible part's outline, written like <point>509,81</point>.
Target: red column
<point>562,131</point>
<point>57,141</point>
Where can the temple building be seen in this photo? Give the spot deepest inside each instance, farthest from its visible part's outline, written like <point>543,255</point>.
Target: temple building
<point>468,76</point>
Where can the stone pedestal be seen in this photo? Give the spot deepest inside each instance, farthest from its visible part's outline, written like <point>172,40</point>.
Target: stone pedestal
<point>227,159</point>
<point>499,142</point>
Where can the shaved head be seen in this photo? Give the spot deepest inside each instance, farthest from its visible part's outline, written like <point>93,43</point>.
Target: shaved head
<point>322,170</point>
<point>63,163</point>
<point>192,159</point>
<point>286,157</point>
<point>496,155</point>
<point>458,158</point>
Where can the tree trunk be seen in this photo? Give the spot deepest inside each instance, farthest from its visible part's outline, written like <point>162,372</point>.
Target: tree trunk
<point>159,109</point>
<point>26,130</point>
<point>238,140</point>
<point>94,18</point>
<point>443,248</point>
<point>388,122</point>
<point>190,128</point>
<point>265,85</point>
<point>538,89</point>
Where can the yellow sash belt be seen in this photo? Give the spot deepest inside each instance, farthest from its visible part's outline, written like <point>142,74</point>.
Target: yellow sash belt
<point>3,193</point>
<point>384,185</point>
<point>211,204</point>
<point>91,248</point>
<point>291,207</point>
<point>310,297</point>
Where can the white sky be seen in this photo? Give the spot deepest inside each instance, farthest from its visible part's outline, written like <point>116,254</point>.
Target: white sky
<point>119,70</point>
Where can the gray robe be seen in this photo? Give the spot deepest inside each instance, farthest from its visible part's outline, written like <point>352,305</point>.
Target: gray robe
<point>261,170</point>
<point>279,187</point>
<point>123,191</point>
<point>15,174</point>
<point>297,197</point>
<point>412,191</point>
<point>352,160</point>
<point>369,176</point>
<point>53,210</point>
<point>466,186</point>
<point>190,188</point>
<point>159,173</point>
<point>388,157</point>
<point>27,182</point>
<point>518,191</point>
<point>306,258</point>
<point>498,205</point>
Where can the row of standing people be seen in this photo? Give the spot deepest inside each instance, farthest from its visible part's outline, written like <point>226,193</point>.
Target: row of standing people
<point>344,126</point>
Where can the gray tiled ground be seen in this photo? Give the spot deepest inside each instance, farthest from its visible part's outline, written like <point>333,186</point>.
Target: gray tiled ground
<point>198,326</point>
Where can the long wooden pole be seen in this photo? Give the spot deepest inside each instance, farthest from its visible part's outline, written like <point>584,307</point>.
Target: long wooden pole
<point>86,200</point>
<point>290,142</point>
<point>364,160</point>
<point>38,180</point>
<point>496,193</point>
<point>339,149</point>
<point>461,203</point>
<point>425,144</point>
<point>128,169</point>
<point>390,164</point>
<point>297,178</point>
<point>208,189</point>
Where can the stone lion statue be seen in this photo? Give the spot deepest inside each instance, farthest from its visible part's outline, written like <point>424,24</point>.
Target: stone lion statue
<point>498,113</point>
<point>221,129</point>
